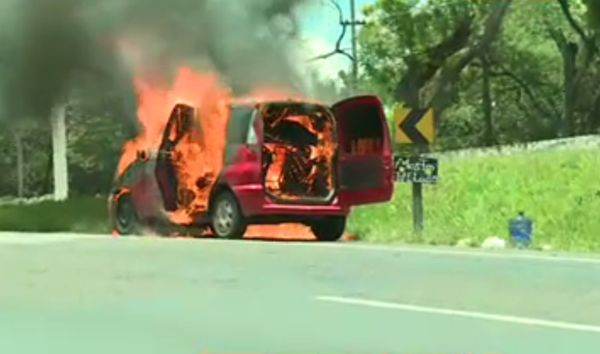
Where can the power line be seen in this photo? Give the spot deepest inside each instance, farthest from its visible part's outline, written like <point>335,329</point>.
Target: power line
<point>353,23</point>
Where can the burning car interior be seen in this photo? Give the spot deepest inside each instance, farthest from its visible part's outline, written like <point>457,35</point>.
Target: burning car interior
<point>298,151</point>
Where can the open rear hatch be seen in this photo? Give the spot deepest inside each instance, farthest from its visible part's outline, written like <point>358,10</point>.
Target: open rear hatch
<point>298,153</point>
<point>365,152</point>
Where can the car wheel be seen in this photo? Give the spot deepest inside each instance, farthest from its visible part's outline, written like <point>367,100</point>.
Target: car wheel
<point>329,229</point>
<point>227,220</point>
<point>125,217</point>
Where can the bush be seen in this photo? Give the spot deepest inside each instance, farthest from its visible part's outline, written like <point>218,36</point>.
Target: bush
<point>84,214</point>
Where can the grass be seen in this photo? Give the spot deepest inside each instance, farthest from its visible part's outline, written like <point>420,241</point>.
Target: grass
<point>475,198</point>
<point>86,214</point>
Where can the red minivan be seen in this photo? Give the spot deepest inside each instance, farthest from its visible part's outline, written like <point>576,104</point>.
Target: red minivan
<point>284,161</point>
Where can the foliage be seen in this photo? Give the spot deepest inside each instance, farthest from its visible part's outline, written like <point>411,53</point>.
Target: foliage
<point>527,69</point>
<point>593,12</point>
<point>399,29</point>
<point>37,154</point>
<point>97,128</point>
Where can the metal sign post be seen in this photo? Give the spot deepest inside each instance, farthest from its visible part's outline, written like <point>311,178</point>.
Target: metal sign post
<point>415,127</point>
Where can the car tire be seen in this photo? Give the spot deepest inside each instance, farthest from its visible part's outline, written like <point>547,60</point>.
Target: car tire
<point>125,218</point>
<point>227,220</point>
<point>329,229</point>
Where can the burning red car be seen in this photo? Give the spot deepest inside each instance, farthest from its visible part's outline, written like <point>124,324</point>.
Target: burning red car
<point>258,162</point>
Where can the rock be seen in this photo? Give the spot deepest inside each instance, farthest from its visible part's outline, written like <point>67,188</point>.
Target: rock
<point>493,243</point>
<point>546,248</point>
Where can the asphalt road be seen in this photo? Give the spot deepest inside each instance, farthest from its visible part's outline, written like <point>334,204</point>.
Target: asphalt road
<point>94,294</point>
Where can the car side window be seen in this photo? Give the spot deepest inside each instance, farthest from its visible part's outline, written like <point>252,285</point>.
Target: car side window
<point>179,124</point>
<point>251,138</point>
<point>237,127</point>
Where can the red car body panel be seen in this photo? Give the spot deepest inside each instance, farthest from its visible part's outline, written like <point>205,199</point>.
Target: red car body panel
<point>384,158</point>
<point>142,196</point>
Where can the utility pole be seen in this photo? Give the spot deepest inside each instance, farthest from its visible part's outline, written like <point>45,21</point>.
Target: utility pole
<point>353,33</point>
<point>353,23</point>
<point>59,153</point>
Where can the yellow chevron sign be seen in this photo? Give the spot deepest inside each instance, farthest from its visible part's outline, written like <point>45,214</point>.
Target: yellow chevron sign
<point>414,126</point>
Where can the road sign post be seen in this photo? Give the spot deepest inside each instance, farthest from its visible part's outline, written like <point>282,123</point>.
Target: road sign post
<point>416,127</point>
<point>417,193</point>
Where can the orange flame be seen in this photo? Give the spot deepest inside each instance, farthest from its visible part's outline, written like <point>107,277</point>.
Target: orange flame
<point>195,157</point>
<point>198,155</point>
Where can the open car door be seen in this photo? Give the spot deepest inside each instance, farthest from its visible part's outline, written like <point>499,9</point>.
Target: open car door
<point>365,152</point>
<point>179,124</point>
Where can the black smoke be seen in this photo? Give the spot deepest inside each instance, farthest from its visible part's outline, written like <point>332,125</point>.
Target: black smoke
<point>48,45</point>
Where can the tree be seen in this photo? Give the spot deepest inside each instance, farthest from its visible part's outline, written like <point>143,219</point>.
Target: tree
<point>426,47</point>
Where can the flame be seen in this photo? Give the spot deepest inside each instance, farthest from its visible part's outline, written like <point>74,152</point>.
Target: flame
<point>273,176</point>
<point>196,159</point>
<point>288,232</point>
<point>198,154</point>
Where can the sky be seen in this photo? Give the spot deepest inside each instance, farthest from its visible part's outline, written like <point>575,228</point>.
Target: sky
<point>320,30</point>
<point>321,19</point>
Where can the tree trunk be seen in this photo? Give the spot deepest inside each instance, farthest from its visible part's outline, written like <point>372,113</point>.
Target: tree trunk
<point>451,71</point>
<point>20,164</point>
<point>412,96</point>
<point>486,101</point>
<point>570,54</point>
<point>59,153</point>
<point>593,115</point>
<point>412,89</point>
<point>568,51</point>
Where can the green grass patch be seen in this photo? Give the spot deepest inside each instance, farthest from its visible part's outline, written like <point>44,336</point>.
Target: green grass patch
<point>86,214</point>
<point>475,198</point>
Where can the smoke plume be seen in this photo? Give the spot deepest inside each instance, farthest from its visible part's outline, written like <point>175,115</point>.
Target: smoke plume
<point>47,44</point>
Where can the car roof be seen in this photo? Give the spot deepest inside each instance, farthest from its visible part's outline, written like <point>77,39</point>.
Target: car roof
<point>255,103</point>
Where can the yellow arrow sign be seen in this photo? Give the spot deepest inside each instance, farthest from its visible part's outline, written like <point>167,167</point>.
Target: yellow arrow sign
<point>414,126</point>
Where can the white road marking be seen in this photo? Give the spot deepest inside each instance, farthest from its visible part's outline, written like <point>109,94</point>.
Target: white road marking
<point>458,313</point>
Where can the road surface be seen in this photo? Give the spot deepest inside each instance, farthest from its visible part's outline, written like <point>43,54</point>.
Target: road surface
<point>95,294</point>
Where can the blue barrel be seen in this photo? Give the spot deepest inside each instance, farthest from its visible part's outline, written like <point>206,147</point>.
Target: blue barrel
<point>521,230</point>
